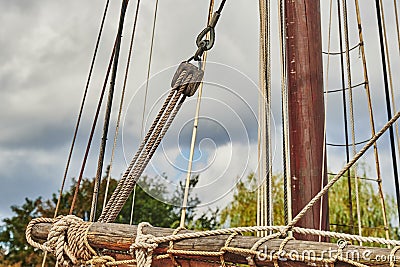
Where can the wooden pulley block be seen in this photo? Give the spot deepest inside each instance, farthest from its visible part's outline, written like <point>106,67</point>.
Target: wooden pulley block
<point>187,76</point>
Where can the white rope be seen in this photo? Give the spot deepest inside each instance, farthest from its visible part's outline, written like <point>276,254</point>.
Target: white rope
<point>195,126</point>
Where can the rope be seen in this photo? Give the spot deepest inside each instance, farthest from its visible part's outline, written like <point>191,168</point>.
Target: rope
<point>121,103</point>
<point>388,107</point>
<point>342,52</point>
<point>66,239</point>
<point>107,115</point>
<point>80,112</point>
<point>371,119</point>
<point>396,13</point>
<point>346,88</point>
<point>195,126</point>
<point>345,168</point>
<point>285,122</point>
<point>185,83</point>
<point>85,157</point>
<point>344,101</point>
<point>389,68</point>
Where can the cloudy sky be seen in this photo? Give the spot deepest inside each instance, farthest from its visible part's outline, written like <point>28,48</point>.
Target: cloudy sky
<point>46,48</point>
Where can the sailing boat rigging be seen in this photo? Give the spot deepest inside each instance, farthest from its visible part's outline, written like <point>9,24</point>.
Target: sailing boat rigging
<point>306,137</point>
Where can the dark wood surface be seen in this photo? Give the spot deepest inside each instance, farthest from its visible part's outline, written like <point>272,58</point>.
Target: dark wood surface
<point>119,237</point>
<point>306,108</point>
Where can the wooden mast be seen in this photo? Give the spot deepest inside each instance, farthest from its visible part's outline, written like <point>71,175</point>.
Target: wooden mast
<point>305,108</point>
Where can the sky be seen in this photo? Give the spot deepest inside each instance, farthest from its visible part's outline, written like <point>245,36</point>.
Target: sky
<point>46,49</point>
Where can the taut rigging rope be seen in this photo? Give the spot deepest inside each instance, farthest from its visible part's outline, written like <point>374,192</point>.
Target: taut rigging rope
<point>121,103</point>
<point>352,123</point>
<point>388,106</point>
<point>107,115</point>
<point>344,101</point>
<point>195,126</point>
<point>371,118</point>
<point>184,84</point>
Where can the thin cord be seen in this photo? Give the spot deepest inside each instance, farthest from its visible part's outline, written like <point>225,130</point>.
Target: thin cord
<point>147,89</point>
<point>121,103</point>
<point>396,13</point>
<point>346,131</point>
<point>389,67</point>
<point>352,123</point>
<point>85,157</point>
<point>195,126</point>
<point>388,106</point>
<point>323,174</point>
<point>107,116</point>
<point>371,117</point>
<point>285,129</point>
<point>78,121</point>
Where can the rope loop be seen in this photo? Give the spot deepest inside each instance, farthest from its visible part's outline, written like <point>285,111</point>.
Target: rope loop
<point>187,78</point>
<point>66,239</point>
<point>143,247</point>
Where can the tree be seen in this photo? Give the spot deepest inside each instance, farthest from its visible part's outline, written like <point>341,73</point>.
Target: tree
<point>243,208</point>
<point>15,250</point>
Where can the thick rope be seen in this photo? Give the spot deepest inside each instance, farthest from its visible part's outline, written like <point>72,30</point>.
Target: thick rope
<point>66,239</point>
<point>181,87</point>
<point>345,168</point>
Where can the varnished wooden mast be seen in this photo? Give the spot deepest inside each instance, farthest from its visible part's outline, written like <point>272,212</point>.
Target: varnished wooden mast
<point>306,108</point>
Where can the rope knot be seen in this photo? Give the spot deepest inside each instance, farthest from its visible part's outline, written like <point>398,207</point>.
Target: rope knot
<point>143,247</point>
<point>67,240</point>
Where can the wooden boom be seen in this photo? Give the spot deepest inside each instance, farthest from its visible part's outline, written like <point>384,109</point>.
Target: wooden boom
<point>119,237</point>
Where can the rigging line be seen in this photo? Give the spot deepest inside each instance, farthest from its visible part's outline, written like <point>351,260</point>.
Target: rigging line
<point>346,88</point>
<point>268,129</point>
<point>343,145</point>
<point>262,117</point>
<point>82,106</point>
<point>107,115</point>
<point>344,101</point>
<point>371,118</point>
<point>149,64</point>
<point>147,85</point>
<point>196,122</point>
<point>388,107</point>
<point>331,182</point>
<point>136,156</point>
<point>397,23</point>
<point>324,165</point>
<point>338,53</point>
<point>285,139</point>
<point>78,121</point>
<point>150,152</point>
<point>122,101</point>
<point>92,130</point>
<point>352,122</point>
<point>389,66</point>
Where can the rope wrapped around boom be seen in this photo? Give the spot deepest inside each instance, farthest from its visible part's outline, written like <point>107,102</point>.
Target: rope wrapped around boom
<point>184,84</point>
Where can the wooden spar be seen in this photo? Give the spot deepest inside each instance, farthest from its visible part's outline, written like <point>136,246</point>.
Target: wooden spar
<point>119,237</point>
<point>306,109</point>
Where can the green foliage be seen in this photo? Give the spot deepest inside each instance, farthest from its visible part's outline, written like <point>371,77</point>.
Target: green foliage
<point>243,208</point>
<point>370,208</point>
<point>15,250</point>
